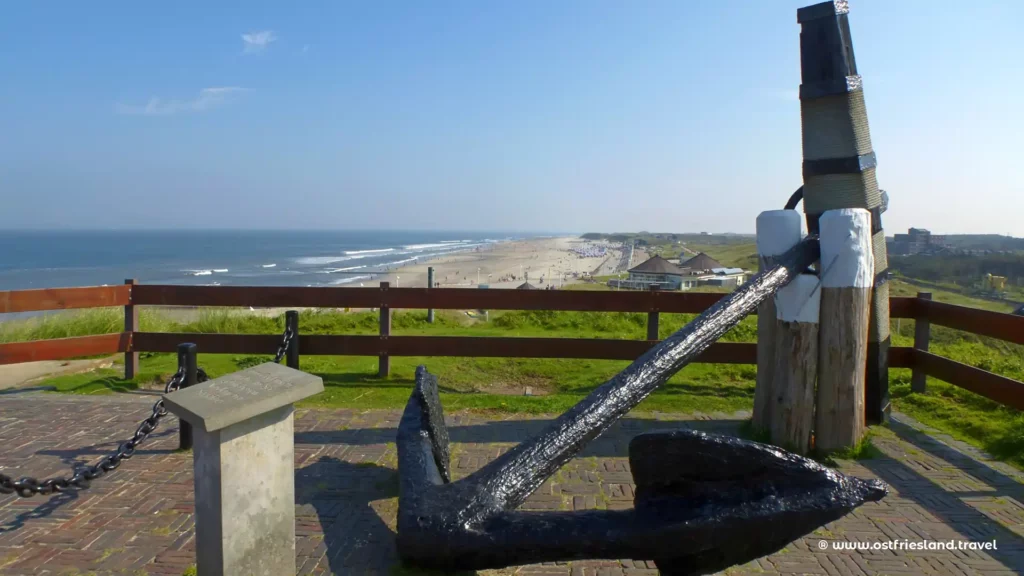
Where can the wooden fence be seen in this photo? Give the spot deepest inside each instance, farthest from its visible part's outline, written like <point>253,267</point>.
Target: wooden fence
<point>384,345</point>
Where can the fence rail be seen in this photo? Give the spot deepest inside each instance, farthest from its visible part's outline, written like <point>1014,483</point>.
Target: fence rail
<point>63,348</point>
<point>63,298</point>
<point>384,345</point>
<point>461,346</point>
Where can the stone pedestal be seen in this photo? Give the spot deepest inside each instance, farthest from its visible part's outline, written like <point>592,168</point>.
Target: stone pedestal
<point>244,464</point>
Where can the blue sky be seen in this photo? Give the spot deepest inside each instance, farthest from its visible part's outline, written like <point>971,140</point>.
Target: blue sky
<point>526,115</point>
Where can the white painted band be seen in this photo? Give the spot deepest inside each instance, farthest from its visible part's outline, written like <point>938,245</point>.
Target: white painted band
<point>799,300</point>
<point>846,257</point>
<point>777,231</point>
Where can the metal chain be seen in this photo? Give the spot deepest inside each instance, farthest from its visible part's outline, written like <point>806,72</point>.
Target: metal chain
<point>26,487</point>
<point>286,340</point>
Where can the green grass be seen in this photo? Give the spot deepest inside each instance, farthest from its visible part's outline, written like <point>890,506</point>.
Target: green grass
<point>964,415</point>
<point>743,255</point>
<point>947,294</point>
<point>497,384</point>
<point>974,419</point>
<point>864,450</point>
<point>492,384</point>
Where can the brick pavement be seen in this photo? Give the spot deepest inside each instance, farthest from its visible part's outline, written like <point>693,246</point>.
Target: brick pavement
<point>139,519</point>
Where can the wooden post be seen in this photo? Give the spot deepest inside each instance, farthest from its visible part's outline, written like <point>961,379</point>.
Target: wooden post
<point>847,276</point>
<point>384,363</point>
<point>131,324</point>
<point>430,285</point>
<point>777,232</point>
<point>291,322</point>
<point>839,164</point>
<point>652,317</point>
<point>187,364</point>
<point>922,335</point>
<point>796,363</point>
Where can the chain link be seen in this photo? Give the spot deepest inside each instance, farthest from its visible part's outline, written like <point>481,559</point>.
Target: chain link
<point>26,487</point>
<point>286,340</point>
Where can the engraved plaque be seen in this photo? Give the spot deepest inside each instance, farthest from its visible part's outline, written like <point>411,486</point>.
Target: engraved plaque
<point>242,395</point>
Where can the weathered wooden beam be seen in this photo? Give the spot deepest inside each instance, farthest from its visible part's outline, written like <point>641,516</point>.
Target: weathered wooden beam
<point>839,163</point>
<point>846,279</point>
<point>777,232</point>
<point>796,363</point>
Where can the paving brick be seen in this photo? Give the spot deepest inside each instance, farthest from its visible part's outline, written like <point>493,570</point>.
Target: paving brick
<point>140,517</point>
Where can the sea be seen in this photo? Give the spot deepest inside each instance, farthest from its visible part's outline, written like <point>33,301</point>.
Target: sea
<point>50,259</point>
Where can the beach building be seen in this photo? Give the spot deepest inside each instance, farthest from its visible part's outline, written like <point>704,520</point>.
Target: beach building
<point>700,263</point>
<point>526,286</point>
<point>655,270</point>
<point>729,277</point>
<point>701,270</point>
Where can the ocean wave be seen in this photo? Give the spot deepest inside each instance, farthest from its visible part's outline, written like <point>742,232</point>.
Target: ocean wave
<point>220,270</point>
<point>349,279</point>
<point>426,246</point>
<point>396,262</point>
<point>199,272</point>
<point>267,265</point>
<point>377,251</point>
<point>321,260</point>
<point>333,270</point>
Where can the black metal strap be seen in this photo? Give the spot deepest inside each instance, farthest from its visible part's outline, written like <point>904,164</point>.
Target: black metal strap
<point>847,165</point>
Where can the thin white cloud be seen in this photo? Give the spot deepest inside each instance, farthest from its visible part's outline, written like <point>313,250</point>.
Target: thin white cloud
<point>256,42</point>
<point>207,99</point>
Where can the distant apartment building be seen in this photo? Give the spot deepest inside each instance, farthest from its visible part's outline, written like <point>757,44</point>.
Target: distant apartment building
<point>916,241</point>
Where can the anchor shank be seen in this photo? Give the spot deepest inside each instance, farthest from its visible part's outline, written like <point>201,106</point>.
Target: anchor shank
<point>508,480</point>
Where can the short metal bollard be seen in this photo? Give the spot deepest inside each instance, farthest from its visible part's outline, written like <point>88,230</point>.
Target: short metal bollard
<point>187,364</point>
<point>291,323</point>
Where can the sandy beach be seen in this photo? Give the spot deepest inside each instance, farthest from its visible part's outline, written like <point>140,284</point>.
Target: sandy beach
<point>542,261</point>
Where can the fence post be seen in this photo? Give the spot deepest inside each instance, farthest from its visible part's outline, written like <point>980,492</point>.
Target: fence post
<point>131,324</point>
<point>187,364</point>
<point>652,317</point>
<point>384,364</point>
<point>430,284</point>
<point>922,335</point>
<point>291,322</point>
